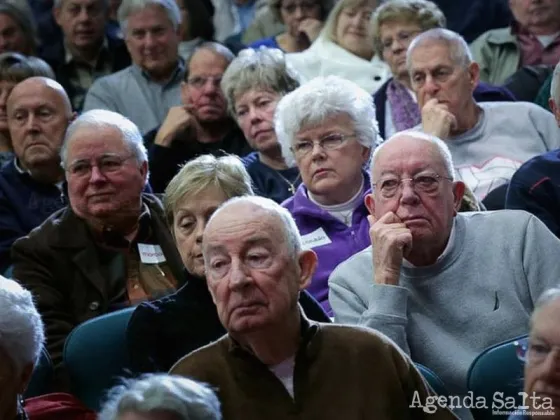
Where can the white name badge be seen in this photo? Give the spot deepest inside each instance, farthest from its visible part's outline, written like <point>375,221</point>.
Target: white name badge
<point>315,239</point>
<point>150,254</point>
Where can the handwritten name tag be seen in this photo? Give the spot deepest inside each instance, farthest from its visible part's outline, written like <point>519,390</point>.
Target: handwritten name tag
<point>315,239</point>
<point>150,254</point>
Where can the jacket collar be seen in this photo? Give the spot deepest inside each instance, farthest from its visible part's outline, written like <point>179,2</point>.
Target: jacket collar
<point>502,36</point>
<point>307,349</point>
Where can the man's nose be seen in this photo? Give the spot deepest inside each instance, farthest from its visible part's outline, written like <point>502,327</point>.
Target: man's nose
<point>239,276</point>
<point>96,175</point>
<point>408,193</point>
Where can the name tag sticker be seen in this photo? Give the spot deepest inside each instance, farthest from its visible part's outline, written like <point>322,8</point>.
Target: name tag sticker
<point>315,239</point>
<point>150,254</point>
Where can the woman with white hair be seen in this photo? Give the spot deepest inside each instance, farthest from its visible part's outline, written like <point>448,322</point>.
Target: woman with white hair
<point>345,48</point>
<point>253,84</point>
<point>161,397</point>
<point>21,339</point>
<point>541,354</point>
<point>327,127</point>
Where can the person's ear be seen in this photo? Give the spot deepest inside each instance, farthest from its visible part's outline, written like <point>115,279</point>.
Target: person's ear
<point>144,171</point>
<point>370,203</point>
<point>555,109</point>
<point>458,193</point>
<point>474,74</point>
<point>307,264</point>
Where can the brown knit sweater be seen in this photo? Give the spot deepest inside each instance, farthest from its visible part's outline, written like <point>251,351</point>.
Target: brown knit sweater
<point>341,373</point>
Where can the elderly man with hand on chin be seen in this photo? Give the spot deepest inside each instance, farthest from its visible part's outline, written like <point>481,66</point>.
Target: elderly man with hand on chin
<point>488,140</point>
<point>271,361</point>
<point>443,285</point>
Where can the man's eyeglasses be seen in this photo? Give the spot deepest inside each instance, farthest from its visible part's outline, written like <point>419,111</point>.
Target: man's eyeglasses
<point>106,164</point>
<point>424,183</point>
<point>200,81</point>
<point>533,352</point>
<point>330,142</point>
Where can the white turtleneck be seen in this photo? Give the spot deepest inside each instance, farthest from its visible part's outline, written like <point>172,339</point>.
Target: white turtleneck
<point>343,211</point>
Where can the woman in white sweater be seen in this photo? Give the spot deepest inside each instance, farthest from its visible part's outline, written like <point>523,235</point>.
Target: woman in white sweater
<point>345,48</point>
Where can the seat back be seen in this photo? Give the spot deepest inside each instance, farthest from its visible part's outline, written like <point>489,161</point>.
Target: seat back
<point>496,369</point>
<point>96,356</point>
<point>433,380</point>
<point>42,377</point>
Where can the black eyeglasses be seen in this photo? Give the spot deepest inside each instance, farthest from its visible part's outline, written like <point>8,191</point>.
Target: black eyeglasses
<point>425,183</point>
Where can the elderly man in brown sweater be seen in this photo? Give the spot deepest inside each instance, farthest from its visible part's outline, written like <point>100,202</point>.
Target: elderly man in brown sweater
<point>274,363</point>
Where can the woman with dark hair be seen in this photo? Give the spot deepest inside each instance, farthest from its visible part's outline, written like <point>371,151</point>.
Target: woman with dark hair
<point>15,68</point>
<point>196,26</point>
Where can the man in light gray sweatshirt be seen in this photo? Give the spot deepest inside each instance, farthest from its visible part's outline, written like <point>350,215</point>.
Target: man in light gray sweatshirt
<point>444,286</point>
<point>488,141</point>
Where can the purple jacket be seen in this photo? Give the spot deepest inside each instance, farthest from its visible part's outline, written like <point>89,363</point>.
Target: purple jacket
<point>332,240</point>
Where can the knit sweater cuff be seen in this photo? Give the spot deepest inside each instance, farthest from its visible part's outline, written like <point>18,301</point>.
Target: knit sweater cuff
<point>388,300</point>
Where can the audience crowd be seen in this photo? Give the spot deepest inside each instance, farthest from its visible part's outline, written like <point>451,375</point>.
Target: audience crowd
<point>278,209</point>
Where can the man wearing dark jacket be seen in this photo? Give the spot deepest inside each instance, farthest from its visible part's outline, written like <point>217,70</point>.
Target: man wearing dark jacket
<point>86,52</point>
<point>201,125</point>
<point>110,248</point>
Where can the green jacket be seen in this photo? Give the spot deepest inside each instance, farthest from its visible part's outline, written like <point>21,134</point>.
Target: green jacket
<point>498,54</point>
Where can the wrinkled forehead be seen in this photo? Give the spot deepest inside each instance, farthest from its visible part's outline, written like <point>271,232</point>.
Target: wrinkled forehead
<point>430,54</point>
<point>91,141</point>
<point>407,155</point>
<point>237,225</point>
<point>205,61</point>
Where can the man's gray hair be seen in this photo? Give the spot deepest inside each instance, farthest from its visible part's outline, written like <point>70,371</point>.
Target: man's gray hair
<point>129,7</point>
<point>263,69</point>
<point>459,51</point>
<point>291,231</point>
<point>21,329</point>
<point>548,296</point>
<point>441,147</point>
<point>187,399</point>
<point>321,98</point>
<point>214,47</point>
<point>99,119</point>
<point>554,94</point>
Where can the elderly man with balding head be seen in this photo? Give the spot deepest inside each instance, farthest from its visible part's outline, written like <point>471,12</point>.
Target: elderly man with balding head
<point>274,363</point>
<point>31,186</point>
<point>488,140</point>
<point>110,247</point>
<point>443,285</point>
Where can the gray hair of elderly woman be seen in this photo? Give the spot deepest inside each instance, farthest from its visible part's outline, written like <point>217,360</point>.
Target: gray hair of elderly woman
<point>129,7</point>
<point>423,13</point>
<point>263,69</point>
<point>21,328</point>
<point>442,149</point>
<point>99,119</point>
<point>319,99</point>
<point>187,399</point>
<point>15,68</point>
<point>459,51</point>
<point>21,14</point>
<point>329,30</point>
<point>225,173</point>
